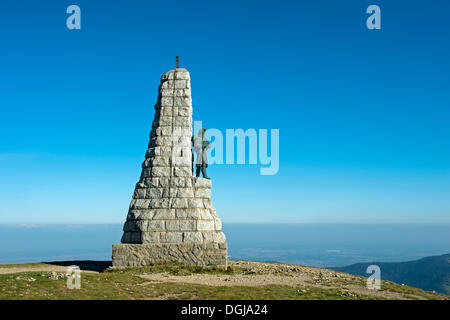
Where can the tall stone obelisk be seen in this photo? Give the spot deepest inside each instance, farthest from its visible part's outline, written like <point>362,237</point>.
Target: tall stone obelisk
<point>171,218</point>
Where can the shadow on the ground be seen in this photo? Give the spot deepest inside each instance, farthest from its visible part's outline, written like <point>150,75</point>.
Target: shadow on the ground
<point>86,265</point>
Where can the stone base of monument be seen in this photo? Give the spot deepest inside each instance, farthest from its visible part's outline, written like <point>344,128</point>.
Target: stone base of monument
<point>180,226</point>
<point>133,255</point>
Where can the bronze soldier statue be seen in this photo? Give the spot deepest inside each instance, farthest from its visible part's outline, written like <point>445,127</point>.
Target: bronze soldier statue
<point>201,144</point>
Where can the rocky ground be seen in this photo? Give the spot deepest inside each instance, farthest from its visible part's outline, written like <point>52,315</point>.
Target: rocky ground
<point>243,280</point>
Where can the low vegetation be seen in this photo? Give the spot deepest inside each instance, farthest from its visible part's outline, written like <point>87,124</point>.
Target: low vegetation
<point>242,280</point>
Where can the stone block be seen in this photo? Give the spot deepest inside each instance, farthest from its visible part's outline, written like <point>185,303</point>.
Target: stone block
<point>154,193</point>
<point>151,152</point>
<point>175,182</point>
<point>151,182</point>
<point>188,253</point>
<point>203,193</point>
<point>165,112</point>
<point>214,237</point>
<point>217,224</point>
<point>182,131</point>
<point>188,225</point>
<point>166,92</point>
<point>129,226</point>
<point>164,182</point>
<point>193,214</point>
<point>164,214</point>
<point>160,141</point>
<point>184,112</point>
<point>182,162</point>
<point>155,225</point>
<point>160,172</point>
<point>140,184</point>
<point>212,210</point>
<point>207,203</point>
<point>185,193</point>
<point>172,225</point>
<point>195,203</point>
<point>139,193</point>
<point>183,171</point>
<point>182,92</point>
<point>162,203</point>
<point>140,204</point>
<point>183,121</point>
<point>141,225</point>
<point>169,75</point>
<point>176,151</point>
<point>179,84</point>
<point>205,225</point>
<point>181,141</point>
<point>165,121</point>
<point>201,182</point>
<point>135,237</point>
<point>192,237</point>
<point>165,151</point>
<point>182,102</point>
<point>145,214</point>
<point>133,214</point>
<point>157,161</point>
<point>170,192</point>
<point>179,203</point>
<point>166,131</point>
<point>188,181</point>
<point>171,237</point>
<point>146,173</point>
<point>150,237</point>
<point>167,101</point>
<point>182,75</point>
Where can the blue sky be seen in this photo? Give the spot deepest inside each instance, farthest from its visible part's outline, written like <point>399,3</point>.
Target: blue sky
<point>363,114</point>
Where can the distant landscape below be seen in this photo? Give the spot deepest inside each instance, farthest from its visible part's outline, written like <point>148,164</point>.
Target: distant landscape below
<point>321,245</point>
<point>429,273</point>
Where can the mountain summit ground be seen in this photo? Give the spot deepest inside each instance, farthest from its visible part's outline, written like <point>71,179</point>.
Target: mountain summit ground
<point>242,280</point>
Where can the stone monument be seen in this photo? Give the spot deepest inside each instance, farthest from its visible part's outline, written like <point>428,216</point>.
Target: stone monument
<point>171,217</point>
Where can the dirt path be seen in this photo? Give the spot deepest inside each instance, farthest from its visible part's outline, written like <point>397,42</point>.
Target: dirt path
<point>274,274</point>
<point>41,267</point>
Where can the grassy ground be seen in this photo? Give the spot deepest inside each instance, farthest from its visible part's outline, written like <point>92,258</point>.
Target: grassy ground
<point>131,284</point>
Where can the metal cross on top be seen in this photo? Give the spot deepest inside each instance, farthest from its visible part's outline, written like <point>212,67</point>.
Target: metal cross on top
<point>177,62</point>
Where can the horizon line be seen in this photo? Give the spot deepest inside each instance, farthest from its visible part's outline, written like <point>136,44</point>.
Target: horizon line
<point>30,224</point>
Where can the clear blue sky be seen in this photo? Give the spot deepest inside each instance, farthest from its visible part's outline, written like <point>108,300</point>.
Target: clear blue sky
<point>363,115</point>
